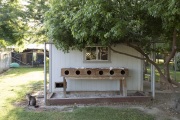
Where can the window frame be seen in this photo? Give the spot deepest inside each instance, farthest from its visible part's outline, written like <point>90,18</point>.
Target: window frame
<point>96,61</point>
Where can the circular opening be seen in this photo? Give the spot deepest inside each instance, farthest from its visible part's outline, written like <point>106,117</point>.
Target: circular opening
<point>88,72</point>
<point>101,72</point>
<point>66,72</point>
<point>77,72</point>
<point>122,72</point>
<point>111,72</point>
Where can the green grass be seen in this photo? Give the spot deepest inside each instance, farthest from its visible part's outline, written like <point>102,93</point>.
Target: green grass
<point>86,113</point>
<point>104,113</point>
<point>15,83</point>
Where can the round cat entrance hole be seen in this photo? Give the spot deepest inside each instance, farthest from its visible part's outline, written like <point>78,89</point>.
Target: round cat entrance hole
<point>89,72</point>
<point>122,72</point>
<point>111,72</point>
<point>100,72</point>
<point>77,72</point>
<point>66,72</point>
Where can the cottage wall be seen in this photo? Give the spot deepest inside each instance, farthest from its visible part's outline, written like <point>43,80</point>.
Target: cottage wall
<point>59,59</point>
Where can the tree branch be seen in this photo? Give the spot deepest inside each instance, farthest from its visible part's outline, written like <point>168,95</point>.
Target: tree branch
<point>146,57</point>
<point>174,48</point>
<point>138,49</point>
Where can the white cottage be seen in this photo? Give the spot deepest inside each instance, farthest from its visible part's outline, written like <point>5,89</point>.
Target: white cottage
<point>95,57</point>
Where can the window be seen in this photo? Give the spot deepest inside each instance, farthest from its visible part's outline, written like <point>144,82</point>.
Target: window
<point>96,54</point>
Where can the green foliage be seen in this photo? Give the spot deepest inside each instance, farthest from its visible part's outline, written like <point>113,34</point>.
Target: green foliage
<point>11,26</point>
<point>35,10</point>
<point>22,22</point>
<point>74,24</point>
<point>169,11</point>
<point>3,44</point>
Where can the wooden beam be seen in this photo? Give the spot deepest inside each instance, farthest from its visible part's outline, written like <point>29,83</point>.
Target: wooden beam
<point>68,101</point>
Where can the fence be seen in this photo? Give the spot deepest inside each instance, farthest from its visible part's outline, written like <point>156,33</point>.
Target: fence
<point>5,60</point>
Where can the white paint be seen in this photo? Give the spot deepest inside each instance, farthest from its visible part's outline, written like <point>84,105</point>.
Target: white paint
<point>5,60</point>
<point>74,59</point>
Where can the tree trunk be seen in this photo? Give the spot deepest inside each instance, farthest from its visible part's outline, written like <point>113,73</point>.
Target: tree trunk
<point>168,59</point>
<point>166,68</point>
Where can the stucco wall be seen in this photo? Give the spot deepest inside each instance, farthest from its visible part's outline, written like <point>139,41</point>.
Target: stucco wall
<point>59,60</point>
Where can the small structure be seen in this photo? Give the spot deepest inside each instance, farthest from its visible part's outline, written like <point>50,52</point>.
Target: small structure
<point>96,69</point>
<point>96,74</point>
<point>29,57</point>
<point>32,55</point>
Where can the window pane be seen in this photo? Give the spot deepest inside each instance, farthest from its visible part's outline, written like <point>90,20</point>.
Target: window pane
<point>102,53</point>
<point>97,54</point>
<point>91,53</point>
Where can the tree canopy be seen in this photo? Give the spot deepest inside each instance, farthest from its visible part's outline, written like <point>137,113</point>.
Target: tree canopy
<point>35,10</point>
<point>11,24</point>
<point>77,23</point>
<point>22,21</point>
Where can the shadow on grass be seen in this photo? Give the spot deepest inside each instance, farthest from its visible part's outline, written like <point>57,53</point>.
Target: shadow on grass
<point>18,111</point>
<point>30,87</point>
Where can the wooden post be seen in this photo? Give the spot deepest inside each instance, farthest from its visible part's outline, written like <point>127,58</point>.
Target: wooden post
<point>64,87</point>
<point>45,76</point>
<point>121,87</point>
<point>153,74</point>
<point>124,87</point>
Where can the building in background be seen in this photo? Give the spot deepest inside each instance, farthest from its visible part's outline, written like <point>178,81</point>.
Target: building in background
<point>33,54</point>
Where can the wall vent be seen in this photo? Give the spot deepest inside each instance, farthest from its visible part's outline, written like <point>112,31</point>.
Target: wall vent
<point>59,85</point>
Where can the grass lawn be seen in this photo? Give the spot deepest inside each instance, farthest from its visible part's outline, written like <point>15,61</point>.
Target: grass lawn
<point>15,83</point>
